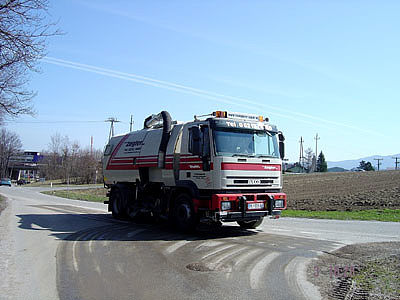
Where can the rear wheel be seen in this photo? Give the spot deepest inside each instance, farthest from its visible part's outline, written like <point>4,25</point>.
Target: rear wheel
<point>119,201</point>
<point>250,224</point>
<point>185,218</point>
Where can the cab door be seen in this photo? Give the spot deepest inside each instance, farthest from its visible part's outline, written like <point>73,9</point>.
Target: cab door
<point>196,164</point>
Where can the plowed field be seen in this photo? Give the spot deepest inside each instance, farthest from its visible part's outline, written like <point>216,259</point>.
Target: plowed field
<point>343,191</point>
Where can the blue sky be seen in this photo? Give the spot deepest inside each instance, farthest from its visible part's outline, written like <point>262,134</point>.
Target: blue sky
<point>330,68</point>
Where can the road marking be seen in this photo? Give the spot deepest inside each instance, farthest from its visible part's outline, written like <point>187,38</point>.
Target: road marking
<point>90,246</point>
<point>296,277</point>
<point>75,263</point>
<point>280,229</point>
<point>209,244</point>
<point>308,232</point>
<point>135,232</point>
<point>176,246</point>
<point>97,268</point>
<point>243,258</point>
<point>219,249</point>
<point>228,254</point>
<point>258,269</point>
<point>119,268</point>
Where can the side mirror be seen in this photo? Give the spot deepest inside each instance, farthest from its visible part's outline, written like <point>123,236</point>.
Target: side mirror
<point>281,145</point>
<point>195,140</point>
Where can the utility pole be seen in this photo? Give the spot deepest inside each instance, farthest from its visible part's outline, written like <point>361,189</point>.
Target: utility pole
<point>112,121</point>
<point>91,145</point>
<point>379,161</point>
<point>301,152</point>
<point>131,124</point>
<point>316,144</point>
<point>397,161</point>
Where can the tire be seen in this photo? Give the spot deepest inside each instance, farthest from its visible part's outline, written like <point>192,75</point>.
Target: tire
<point>184,216</point>
<point>119,202</point>
<point>250,224</point>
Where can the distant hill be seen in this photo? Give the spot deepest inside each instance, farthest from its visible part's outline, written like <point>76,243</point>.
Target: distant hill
<point>386,163</point>
<point>337,169</point>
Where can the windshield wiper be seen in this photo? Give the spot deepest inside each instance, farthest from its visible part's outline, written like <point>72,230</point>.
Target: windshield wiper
<point>267,156</point>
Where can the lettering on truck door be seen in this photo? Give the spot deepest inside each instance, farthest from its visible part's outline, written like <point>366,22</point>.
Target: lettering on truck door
<point>196,165</point>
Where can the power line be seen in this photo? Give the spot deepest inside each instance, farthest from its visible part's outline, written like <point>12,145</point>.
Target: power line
<point>397,161</point>
<point>379,161</point>
<point>50,122</point>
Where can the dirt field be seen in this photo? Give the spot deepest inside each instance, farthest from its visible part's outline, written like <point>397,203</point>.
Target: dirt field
<point>343,191</point>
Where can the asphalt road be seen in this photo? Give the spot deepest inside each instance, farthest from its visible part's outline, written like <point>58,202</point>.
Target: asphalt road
<point>54,248</point>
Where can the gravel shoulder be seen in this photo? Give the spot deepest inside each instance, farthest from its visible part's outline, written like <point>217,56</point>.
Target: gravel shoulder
<point>3,203</point>
<point>358,271</point>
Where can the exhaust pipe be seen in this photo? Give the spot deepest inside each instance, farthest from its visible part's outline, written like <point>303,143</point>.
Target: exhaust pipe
<point>167,126</point>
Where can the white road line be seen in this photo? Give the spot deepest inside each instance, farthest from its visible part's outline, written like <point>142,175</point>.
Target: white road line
<point>308,232</point>
<point>279,229</point>
<point>219,249</point>
<point>176,246</point>
<point>209,244</point>
<point>258,269</point>
<point>90,246</point>
<point>135,232</point>
<point>317,252</point>
<point>119,269</point>
<point>246,256</point>
<point>296,277</point>
<point>97,268</point>
<point>227,254</point>
<point>74,261</point>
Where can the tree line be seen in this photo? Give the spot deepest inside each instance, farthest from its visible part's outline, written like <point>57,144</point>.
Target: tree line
<point>63,159</point>
<point>66,160</point>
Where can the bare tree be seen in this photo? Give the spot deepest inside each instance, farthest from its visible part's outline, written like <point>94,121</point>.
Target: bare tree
<point>309,160</point>
<point>23,35</point>
<point>10,145</point>
<point>66,160</point>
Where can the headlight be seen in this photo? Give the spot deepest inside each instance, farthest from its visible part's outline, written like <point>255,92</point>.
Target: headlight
<point>279,203</point>
<point>226,205</point>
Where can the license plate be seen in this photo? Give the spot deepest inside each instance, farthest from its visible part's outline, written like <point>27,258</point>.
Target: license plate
<point>255,205</point>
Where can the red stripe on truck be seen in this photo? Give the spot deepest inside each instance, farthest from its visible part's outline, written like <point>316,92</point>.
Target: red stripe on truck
<point>116,150</point>
<point>250,167</point>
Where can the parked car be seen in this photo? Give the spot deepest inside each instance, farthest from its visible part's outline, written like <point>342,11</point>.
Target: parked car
<point>21,182</point>
<point>5,181</point>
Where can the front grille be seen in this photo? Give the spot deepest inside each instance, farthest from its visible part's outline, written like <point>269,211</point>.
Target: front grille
<point>251,181</point>
<point>245,181</point>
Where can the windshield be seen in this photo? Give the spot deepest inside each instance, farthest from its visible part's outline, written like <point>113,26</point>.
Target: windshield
<point>245,143</point>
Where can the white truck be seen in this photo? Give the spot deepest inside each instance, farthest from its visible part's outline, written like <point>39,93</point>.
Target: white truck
<point>221,167</point>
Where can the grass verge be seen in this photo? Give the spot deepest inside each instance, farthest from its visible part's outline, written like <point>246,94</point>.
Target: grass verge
<point>94,195</point>
<point>386,215</point>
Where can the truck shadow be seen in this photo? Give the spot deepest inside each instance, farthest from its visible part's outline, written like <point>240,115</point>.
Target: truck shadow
<point>95,226</point>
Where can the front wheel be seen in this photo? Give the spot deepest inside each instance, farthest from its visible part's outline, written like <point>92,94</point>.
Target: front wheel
<point>250,224</point>
<point>185,218</point>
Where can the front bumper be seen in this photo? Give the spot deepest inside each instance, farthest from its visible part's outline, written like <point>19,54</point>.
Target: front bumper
<point>227,216</point>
